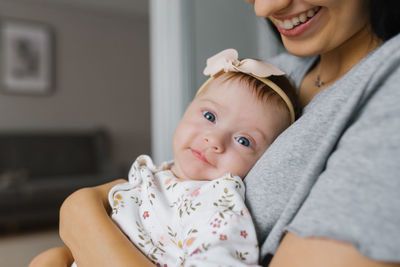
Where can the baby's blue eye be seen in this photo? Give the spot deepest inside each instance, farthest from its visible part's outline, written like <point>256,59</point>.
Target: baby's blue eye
<point>243,141</point>
<point>209,116</point>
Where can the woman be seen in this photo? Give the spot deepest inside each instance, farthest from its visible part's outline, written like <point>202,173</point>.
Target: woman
<point>326,191</point>
<point>333,177</point>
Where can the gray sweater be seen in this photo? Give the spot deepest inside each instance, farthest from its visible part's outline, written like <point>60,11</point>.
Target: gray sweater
<point>335,172</point>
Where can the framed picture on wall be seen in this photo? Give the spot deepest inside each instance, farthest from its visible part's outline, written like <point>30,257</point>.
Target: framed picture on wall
<point>26,57</point>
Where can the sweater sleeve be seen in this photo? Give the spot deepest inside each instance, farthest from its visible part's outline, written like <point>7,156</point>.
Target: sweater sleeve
<point>356,199</point>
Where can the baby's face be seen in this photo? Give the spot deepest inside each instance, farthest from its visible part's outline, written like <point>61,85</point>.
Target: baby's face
<point>224,130</point>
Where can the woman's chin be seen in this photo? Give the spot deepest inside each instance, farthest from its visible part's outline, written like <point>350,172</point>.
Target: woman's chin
<point>301,49</point>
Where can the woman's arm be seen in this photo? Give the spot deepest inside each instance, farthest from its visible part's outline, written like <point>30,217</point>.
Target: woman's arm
<point>315,252</point>
<point>91,235</point>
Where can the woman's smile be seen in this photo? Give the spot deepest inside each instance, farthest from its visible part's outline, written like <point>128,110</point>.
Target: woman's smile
<point>290,22</point>
<point>295,25</point>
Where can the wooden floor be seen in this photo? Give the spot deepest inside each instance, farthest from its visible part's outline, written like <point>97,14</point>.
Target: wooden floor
<point>17,250</point>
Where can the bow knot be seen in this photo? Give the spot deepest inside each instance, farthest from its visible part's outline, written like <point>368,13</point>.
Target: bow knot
<point>227,61</point>
<point>228,65</point>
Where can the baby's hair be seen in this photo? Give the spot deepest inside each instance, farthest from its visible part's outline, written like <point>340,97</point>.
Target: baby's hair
<point>262,91</point>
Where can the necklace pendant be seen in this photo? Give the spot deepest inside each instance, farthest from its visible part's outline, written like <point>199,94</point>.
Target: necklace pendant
<point>318,82</point>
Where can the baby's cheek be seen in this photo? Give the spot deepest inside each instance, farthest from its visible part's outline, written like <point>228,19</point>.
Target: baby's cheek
<point>241,166</point>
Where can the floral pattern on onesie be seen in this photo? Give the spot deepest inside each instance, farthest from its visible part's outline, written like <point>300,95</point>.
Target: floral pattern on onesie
<point>178,222</point>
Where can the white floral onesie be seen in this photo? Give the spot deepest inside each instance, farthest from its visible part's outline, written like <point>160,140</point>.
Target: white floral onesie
<point>178,222</point>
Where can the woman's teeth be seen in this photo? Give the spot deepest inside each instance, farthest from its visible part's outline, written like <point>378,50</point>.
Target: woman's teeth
<point>288,24</point>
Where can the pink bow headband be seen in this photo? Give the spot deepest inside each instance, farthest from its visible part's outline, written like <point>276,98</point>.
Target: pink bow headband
<point>227,61</point>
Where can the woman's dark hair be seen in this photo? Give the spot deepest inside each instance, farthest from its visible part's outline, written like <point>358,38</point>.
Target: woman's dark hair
<point>384,18</point>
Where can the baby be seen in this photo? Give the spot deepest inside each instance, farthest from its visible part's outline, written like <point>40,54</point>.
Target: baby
<point>191,212</point>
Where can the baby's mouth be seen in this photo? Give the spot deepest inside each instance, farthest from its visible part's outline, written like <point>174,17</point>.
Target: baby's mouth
<point>200,156</point>
<point>291,23</point>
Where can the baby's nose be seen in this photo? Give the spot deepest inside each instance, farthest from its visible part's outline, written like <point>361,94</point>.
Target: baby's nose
<point>214,143</point>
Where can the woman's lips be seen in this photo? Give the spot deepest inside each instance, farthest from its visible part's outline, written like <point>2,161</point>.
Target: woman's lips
<point>295,30</point>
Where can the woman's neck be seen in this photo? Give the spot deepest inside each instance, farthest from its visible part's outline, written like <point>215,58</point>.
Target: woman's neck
<point>336,63</point>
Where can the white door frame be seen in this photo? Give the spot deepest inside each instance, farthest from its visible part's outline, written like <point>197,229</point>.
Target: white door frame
<point>171,70</point>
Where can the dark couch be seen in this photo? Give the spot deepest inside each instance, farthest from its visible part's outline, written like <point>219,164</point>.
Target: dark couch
<point>38,170</point>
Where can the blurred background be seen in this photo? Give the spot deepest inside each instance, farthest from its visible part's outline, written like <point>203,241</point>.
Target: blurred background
<point>88,85</point>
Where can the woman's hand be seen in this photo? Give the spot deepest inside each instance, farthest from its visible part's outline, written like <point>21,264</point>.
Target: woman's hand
<point>55,257</point>
<point>91,235</point>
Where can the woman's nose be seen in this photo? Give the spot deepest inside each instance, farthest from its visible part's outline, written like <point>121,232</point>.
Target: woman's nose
<point>215,143</point>
<point>266,8</point>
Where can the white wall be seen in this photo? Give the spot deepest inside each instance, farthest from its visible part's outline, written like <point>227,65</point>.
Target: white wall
<point>124,7</point>
<point>102,77</point>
